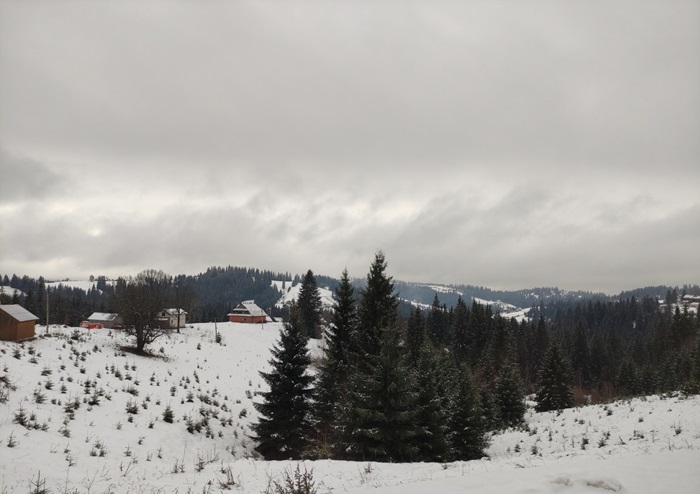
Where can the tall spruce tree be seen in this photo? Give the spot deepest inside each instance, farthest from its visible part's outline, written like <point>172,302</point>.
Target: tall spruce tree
<point>378,415</point>
<point>490,409</point>
<point>467,431</point>
<point>510,396</point>
<point>415,335</point>
<point>283,429</point>
<point>378,306</point>
<point>554,392</point>
<point>539,345</point>
<point>309,305</point>
<point>461,340</point>
<point>381,415</point>
<point>333,374</point>
<point>627,382</point>
<point>580,358</point>
<point>431,407</point>
<point>436,323</point>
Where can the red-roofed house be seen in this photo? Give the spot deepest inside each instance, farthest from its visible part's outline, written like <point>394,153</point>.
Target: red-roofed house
<point>248,312</point>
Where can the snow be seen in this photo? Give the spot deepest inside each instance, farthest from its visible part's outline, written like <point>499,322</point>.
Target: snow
<point>519,315</point>
<point>281,285</point>
<point>83,285</point>
<point>18,313</point>
<point>416,304</point>
<point>11,292</point>
<point>444,289</point>
<point>103,316</point>
<point>291,294</point>
<point>501,305</point>
<point>248,307</point>
<point>652,445</point>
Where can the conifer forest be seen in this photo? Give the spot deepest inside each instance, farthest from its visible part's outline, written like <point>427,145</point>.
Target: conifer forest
<point>402,383</point>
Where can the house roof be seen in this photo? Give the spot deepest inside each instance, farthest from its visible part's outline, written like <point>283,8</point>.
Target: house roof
<point>249,307</point>
<point>102,316</point>
<point>174,312</point>
<point>17,312</point>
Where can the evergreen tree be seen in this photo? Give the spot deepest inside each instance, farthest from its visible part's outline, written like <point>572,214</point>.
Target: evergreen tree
<point>378,415</point>
<point>380,420</point>
<point>461,340</point>
<point>479,330</point>
<point>510,397</point>
<point>696,362</point>
<point>554,392</point>
<point>648,381</point>
<point>309,305</point>
<point>490,409</point>
<point>599,360</point>
<point>692,381</point>
<point>540,344</point>
<point>431,425</point>
<point>378,306</point>
<point>415,335</point>
<point>627,381</point>
<point>498,350</point>
<point>283,428</point>
<point>580,358</point>
<point>332,377</point>
<point>467,432</point>
<point>436,326</point>
<point>668,375</point>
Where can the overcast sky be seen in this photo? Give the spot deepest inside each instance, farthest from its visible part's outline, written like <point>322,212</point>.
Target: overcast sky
<point>505,144</point>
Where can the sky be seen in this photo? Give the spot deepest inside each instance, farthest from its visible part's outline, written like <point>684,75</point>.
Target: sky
<point>503,144</point>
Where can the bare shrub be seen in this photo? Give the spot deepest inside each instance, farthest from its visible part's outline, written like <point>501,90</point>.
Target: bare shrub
<point>296,482</point>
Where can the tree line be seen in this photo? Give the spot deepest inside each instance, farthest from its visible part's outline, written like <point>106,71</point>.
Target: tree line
<point>431,386</point>
<point>215,293</point>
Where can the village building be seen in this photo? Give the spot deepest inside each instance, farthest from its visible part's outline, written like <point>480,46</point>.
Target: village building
<point>248,312</point>
<point>168,318</point>
<point>16,323</point>
<point>691,302</point>
<point>105,320</point>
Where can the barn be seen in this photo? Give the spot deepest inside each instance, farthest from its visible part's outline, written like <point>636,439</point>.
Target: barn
<point>106,320</point>
<point>16,323</point>
<point>248,312</point>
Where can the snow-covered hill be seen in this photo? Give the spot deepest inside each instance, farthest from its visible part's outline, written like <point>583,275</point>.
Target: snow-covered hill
<point>11,292</point>
<point>291,294</point>
<point>94,413</point>
<point>421,295</point>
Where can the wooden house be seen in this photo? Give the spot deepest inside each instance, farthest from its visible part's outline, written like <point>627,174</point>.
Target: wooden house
<point>106,320</point>
<point>16,323</point>
<point>168,318</point>
<point>248,312</point>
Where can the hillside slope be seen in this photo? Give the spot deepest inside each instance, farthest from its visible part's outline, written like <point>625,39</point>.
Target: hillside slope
<point>100,427</point>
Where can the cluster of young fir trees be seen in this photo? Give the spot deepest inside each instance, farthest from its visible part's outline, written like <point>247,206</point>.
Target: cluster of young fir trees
<point>382,393</point>
<point>431,388</point>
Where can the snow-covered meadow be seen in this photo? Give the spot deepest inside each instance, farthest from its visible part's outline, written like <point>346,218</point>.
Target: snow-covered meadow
<point>94,421</point>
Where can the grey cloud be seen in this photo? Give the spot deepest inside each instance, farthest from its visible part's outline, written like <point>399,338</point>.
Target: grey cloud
<point>25,179</point>
<point>313,91</point>
<point>484,143</point>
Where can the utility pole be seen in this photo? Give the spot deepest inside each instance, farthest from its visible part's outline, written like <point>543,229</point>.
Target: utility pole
<point>47,309</point>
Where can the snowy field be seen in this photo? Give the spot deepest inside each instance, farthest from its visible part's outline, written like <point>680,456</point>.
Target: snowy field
<point>93,418</point>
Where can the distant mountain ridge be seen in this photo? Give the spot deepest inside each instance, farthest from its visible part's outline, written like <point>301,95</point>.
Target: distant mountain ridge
<point>449,294</point>
<point>219,289</point>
